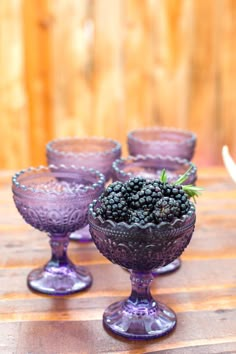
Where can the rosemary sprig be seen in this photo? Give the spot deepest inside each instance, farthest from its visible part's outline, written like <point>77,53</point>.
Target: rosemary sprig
<point>163,176</point>
<point>183,177</point>
<point>191,190</point>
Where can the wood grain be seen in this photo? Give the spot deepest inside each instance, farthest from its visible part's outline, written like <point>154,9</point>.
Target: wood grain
<point>202,292</point>
<point>38,76</point>
<point>103,68</point>
<point>14,113</point>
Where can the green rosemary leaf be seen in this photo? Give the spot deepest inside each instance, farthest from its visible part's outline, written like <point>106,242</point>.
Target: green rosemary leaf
<point>163,176</point>
<point>183,177</point>
<point>192,191</point>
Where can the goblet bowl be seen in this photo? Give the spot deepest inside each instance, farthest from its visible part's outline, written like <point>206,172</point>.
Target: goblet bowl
<point>140,249</point>
<point>150,167</point>
<point>55,200</point>
<point>90,152</point>
<point>163,141</point>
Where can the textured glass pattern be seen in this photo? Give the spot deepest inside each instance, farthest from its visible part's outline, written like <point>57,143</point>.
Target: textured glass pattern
<point>55,200</point>
<point>163,141</point>
<point>140,249</point>
<point>90,152</point>
<point>150,167</point>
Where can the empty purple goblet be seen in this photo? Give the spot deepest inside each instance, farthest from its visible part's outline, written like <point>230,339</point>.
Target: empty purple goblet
<point>162,141</point>
<point>95,152</point>
<point>140,249</point>
<point>55,200</point>
<point>150,167</point>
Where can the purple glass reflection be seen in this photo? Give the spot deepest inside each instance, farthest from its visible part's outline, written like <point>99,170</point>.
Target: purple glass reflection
<point>55,200</point>
<point>162,141</point>
<point>150,167</point>
<point>90,152</point>
<point>140,249</point>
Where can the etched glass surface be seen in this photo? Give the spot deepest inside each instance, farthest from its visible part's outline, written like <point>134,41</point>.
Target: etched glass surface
<point>140,249</point>
<point>55,200</point>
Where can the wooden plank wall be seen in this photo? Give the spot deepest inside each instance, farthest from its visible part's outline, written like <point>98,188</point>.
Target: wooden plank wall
<point>104,67</point>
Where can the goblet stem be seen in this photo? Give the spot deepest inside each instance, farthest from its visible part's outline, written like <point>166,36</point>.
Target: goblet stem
<point>59,276</point>
<point>59,244</point>
<point>140,294</point>
<point>140,316</point>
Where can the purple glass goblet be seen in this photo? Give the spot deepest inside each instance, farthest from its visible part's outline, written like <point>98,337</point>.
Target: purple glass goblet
<point>150,167</point>
<point>162,141</point>
<point>55,200</point>
<point>140,249</point>
<point>90,152</point>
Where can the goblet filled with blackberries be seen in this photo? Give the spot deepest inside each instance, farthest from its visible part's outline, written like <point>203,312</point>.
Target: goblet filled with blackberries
<point>145,201</point>
<point>151,167</point>
<point>142,225</point>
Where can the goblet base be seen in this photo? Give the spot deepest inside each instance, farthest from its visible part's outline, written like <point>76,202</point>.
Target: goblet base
<point>81,235</point>
<point>59,281</point>
<point>139,322</point>
<point>169,268</point>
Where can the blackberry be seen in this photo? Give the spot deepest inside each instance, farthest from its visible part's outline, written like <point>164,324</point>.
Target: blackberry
<point>184,205</point>
<point>141,201</point>
<point>132,186</point>
<point>113,207</point>
<point>135,184</point>
<point>166,209</point>
<point>116,187</point>
<point>177,193</point>
<point>146,198</point>
<point>113,204</point>
<point>139,216</point>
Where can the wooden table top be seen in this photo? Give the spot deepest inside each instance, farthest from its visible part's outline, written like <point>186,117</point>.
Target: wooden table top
<point>202,292</point>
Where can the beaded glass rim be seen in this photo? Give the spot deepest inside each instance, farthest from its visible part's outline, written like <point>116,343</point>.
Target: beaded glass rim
<point>116,148</point>
<point>179,223</point>
<point>68,169</point>
<point>116,163</point>
<point>190,136</point>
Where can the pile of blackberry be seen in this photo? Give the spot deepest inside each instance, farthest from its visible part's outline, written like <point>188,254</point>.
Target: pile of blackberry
<point>142,201</point>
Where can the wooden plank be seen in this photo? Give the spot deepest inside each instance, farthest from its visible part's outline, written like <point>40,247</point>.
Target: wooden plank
<point>192,277</point>
<point>14,132</point>
<point>227,73</point>
<point>138,64</point>
<point>38,24</point>
<point>67,69</point>
<point>204,91</point>
<point>72,40</point>
<point>108,100</point>
<point>47,337</point>
<point>172,35</point>
<point>81,308</point>
<point>199,348</point>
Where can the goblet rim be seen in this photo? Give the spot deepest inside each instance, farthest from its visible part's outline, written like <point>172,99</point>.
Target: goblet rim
<point>180,223</point>
<point>190,136</point>
<point>76,192</point>
<point>105,153</point>
<point>135,158</point>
